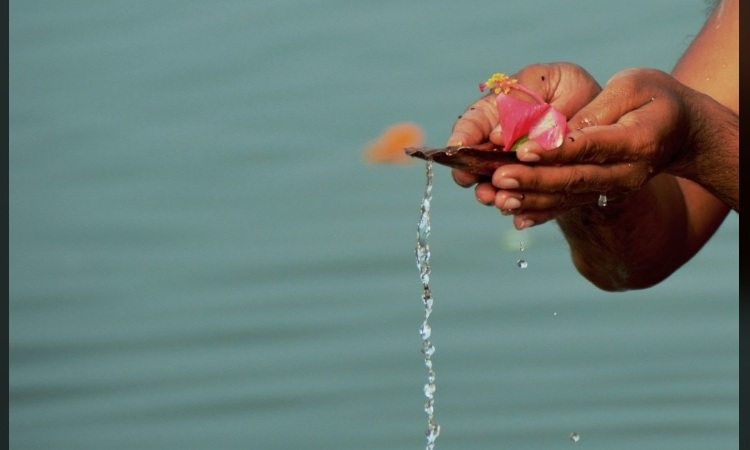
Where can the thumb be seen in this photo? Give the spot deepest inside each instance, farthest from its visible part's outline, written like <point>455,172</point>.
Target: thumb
<point>626,91</point>
<point>476,124</point>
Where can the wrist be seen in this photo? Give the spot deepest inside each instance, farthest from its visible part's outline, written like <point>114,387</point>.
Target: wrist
<point>709,154</point>
<point>711,127</point>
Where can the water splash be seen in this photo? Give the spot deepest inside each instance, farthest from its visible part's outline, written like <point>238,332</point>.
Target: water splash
<point>428,349</point>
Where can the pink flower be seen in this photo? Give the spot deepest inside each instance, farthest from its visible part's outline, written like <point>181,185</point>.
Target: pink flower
<point>521,120</point>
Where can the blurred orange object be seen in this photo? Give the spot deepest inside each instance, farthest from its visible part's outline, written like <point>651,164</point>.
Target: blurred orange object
<point>389,147</point>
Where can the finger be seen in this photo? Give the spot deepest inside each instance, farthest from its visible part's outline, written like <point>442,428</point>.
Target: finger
<point>624,92</point>
<point>635,137</point>
<point>628,140</point>
<point>532,151</point>
<point>627,103</point>
<point>485,193</point>
<point>475,125</point>
<point>516,202</point>
<point>574,178</point>
<point>531,219</point>
<point>566,86</point>
<point>463,178</point>
<point>510,201</point>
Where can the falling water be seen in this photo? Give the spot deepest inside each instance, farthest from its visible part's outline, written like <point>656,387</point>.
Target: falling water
<point>423,264</point>
<point>522,263</point>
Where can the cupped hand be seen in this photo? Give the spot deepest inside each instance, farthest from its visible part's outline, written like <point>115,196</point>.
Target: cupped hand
<point>634,129</point>
<point>566,86</point>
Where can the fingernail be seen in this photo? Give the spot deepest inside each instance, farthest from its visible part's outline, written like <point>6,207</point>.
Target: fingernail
<point>453,139</point>
<point>526,223</point>
<point>512,203</point>
<point>526,156</point>
<point>507,183</point>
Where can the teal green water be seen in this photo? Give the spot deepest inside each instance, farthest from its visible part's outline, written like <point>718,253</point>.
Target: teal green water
<point>200,258</point>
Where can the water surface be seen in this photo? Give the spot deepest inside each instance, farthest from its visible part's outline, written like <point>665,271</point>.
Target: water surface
<point>200,258</point>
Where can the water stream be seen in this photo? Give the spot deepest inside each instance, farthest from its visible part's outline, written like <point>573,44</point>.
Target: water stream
<point>428,349</point>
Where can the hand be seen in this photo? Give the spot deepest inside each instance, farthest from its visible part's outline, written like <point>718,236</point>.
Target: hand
<point>565,86</point>
<point>635,128</point>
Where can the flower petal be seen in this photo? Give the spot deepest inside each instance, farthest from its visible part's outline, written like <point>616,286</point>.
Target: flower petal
<point>550,129</point>
<point>517,116</point>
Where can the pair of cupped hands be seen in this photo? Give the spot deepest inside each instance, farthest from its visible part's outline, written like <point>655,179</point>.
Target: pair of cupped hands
<point>619,137</point>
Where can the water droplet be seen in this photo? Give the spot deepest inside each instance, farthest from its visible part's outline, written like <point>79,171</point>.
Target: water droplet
<point>427,300</point>
<point>521,263</point>
<point>602,200</point>
<point>520,246</point>
<point>575,437</point>
<point>429,390</point>
<point>433,431</point>
<point>428,349</point>
<point>554,314</point>
<point>425,331</point>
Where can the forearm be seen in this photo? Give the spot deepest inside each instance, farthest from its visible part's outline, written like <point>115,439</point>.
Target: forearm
<point>626,244</point>
<point>710,68</point>
<point>711,155</point>
<point>645,237</point>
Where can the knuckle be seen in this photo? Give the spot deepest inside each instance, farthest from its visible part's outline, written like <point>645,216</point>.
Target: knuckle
<point>563,200</point>
<point>532,70</point>
<point>574,182</point>
<point>638,177</point>
<point>590,152</point>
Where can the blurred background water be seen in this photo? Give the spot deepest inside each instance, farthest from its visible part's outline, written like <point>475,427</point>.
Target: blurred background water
<point>200,258</point>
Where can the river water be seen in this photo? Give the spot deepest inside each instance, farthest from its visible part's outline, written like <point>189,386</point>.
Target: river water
<point>201,259</point>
